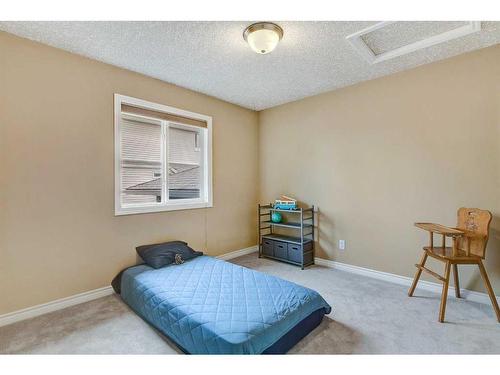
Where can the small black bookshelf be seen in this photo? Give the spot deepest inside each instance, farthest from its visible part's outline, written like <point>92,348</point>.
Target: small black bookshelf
<point>294,247</point>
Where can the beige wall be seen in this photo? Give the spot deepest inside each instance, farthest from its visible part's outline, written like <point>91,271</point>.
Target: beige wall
<point>380,155</point>
<point>58,232</point>
<point>375,157</point>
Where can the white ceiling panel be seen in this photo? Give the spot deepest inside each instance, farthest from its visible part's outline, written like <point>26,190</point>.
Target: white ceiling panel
<point>399,34</point>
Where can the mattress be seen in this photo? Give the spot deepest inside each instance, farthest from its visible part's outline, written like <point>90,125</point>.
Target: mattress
<point>209,306</point>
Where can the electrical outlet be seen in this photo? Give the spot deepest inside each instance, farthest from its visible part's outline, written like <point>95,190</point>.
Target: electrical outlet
<point>341,244</point>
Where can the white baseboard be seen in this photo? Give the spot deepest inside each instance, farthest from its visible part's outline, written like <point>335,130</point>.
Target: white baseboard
<point>31,312</point>
<point>429,286</point>
<point>44,308</point>
<point>239,253</point>
<point>469,295</point>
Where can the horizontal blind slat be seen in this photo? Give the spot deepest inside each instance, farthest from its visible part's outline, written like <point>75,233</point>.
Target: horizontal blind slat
<point>140,141</point>
<point>141,161</point>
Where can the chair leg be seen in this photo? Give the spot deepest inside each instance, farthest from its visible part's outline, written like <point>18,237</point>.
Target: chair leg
<point>455,278</point>
<point>489,289</point>
<point>444,295</point>
<point>417,275</point>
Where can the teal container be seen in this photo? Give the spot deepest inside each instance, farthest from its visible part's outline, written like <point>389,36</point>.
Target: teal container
<point>276,217</point>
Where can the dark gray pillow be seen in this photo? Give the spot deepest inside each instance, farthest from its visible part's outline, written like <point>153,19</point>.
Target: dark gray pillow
<point>162,254</point>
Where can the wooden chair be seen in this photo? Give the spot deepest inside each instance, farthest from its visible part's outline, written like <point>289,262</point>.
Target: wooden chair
<point>469,240</point>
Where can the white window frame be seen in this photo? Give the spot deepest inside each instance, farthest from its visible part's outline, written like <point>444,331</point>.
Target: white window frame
<point>206,189</point>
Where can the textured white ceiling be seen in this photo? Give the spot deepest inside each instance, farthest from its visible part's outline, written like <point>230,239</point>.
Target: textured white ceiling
<point>213,58</point>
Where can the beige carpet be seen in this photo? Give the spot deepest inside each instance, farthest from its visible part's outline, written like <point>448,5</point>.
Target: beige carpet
<point>369,316</point>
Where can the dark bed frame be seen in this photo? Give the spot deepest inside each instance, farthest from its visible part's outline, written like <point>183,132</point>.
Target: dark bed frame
<point>287,341</point>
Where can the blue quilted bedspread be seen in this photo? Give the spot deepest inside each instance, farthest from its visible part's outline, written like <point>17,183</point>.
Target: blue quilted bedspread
<point>209,306</point>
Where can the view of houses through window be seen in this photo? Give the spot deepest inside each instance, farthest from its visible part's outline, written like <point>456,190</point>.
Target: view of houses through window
<point>143,146</point>
<point>184,158</point>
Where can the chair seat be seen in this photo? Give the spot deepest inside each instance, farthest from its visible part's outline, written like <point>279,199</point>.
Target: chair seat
<point>447,253</point>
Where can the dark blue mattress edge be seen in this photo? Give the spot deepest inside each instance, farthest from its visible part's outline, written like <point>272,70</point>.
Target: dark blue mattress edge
<point>297,333</point>
<point>286,342</point>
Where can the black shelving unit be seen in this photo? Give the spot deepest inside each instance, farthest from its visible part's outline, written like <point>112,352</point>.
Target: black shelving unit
<point>296,248</point>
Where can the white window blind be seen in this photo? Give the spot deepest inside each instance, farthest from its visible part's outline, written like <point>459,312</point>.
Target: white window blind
<point>141,161</point>
<point>141,140</point>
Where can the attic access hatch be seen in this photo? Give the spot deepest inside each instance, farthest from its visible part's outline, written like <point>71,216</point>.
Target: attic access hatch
<point>389,39</point>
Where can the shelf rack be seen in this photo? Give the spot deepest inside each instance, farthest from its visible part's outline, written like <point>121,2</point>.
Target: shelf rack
<point>294,249</point>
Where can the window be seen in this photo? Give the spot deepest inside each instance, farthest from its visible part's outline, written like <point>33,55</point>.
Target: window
<point>162,158</point>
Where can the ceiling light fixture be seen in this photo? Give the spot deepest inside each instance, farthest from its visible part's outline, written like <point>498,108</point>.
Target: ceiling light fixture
<point>263,37</point>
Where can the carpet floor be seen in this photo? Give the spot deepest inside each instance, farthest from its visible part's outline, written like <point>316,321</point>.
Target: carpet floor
<point>369,317</point>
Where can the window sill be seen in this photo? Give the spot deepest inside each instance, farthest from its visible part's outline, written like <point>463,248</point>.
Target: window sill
<point>171,207</point>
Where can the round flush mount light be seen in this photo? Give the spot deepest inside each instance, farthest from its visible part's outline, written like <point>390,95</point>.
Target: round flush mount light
<point>263,37</point>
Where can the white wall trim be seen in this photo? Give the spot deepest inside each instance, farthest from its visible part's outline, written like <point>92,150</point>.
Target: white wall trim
<point>466,294</point>
<point>44,308</point>
<point>58,304</point>
<point>429,286</point>
<point>239,253</point>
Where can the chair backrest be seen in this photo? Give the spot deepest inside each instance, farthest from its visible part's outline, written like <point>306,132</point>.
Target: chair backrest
<point>478,222</point>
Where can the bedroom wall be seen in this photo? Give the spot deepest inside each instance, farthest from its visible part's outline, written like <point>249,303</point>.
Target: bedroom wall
<point>58,232</point>
<point>378,156</point>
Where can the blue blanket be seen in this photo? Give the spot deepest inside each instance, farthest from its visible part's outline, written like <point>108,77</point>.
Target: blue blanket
<point>209,306</point>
